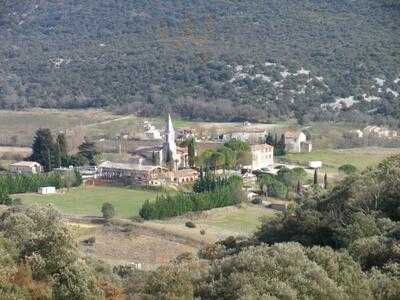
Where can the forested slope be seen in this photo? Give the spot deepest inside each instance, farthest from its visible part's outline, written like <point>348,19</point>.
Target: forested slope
<point>270,58</point>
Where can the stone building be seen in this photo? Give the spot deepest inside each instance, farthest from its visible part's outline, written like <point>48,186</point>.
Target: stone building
<point>296,141</point>
<point>26,167</point>
<point>262,156</point>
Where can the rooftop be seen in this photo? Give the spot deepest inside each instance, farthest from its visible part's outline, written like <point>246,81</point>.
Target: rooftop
<point>25,164</point>
<point>127,166</point>
<point>261,147</point>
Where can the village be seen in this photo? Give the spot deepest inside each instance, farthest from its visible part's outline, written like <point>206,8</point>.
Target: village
<point>160,159</point>
<point>134,166</point>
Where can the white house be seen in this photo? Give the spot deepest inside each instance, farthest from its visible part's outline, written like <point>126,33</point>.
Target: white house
<point>296,141</point>
<point>262,156</point>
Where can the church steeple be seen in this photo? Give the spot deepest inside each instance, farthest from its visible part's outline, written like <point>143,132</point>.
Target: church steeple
<point>169,127</point>
<point>169,145</point>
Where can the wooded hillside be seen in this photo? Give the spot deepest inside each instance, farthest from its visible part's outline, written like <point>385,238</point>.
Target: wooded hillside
<point>270,58</point>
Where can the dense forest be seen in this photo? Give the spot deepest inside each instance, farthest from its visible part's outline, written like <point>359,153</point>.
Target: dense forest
<point>250,60</point>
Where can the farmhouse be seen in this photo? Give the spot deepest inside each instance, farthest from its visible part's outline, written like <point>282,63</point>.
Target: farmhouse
<point>262,156</point>
<point>296,141</point>
<point>26,167</point>
<point>380,132</point>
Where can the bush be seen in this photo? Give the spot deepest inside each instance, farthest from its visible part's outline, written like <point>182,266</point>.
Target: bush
<point>348,169</point>
<point>190,224</point>
<point>257,200</point>
<point>108,210</point>
<point>5,199</point>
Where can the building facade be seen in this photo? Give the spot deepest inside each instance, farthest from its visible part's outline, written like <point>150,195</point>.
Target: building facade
<point>296,141</point>
<point>262,156</point>
<point>26,167</point>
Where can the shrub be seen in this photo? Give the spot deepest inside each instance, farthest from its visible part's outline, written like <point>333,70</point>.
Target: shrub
<point>257,200</point>
<point>202,232</point>
<point>108,210</point>
<point>190,224</point>
<point>348,169</point>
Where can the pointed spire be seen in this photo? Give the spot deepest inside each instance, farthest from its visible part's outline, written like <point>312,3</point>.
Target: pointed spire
<point>170,127</point>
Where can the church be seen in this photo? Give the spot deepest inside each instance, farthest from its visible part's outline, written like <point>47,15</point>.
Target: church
<point>167,154</point>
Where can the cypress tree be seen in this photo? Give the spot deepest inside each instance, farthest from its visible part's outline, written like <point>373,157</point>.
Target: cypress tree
<point>191,151</point>
<point>326,181</point>
<point>316,177</point>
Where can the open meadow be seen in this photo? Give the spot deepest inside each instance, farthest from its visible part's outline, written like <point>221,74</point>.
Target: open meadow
<point>332,159</point>
<point>88,200</point>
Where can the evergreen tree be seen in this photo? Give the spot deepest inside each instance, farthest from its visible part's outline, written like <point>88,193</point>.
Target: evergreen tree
<point>326,181</point>
<point>269,139</point>
<point>298,189</point>
<point>192,151</point>
<point>316,177</point>
<point>89,151</point>
<point>43,149</point>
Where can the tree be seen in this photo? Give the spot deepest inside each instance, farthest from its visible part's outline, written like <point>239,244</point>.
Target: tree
<point>89,151</point>
<point>62,144</point>
<point>348,169</point>
<point>275,188</point>
<point>326,181</point>
<point>265,270</point>
<point>108,210</point>
<point>191,145</point>
<point>269,139</point>
<point>316,177</point>
<point>44,149</point>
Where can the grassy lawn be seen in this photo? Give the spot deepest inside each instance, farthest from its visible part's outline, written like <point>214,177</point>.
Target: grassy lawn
<point>332,159</point>
<point>224,221</point>
<point>88,201</point>
<point>243,221</point>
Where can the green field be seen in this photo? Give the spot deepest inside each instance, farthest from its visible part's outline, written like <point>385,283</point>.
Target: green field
<point>244,221</point>
<point>88,201</point>
<point>230,220</point>
<point>332,159</point>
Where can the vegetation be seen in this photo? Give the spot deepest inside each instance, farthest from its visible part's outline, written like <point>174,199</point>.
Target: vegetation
<point>186,50</point>
<point>274,187</point>
<point>233,154</point>
<point>40,259</point>
<point>348,169</point>
<point>89,200</point>
<point>30,183</point>
<point>222,193</point>
<point>108,210</point>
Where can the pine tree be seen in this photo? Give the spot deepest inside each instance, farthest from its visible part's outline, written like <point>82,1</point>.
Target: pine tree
<point>88,150</point>
<point>43,149</point>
